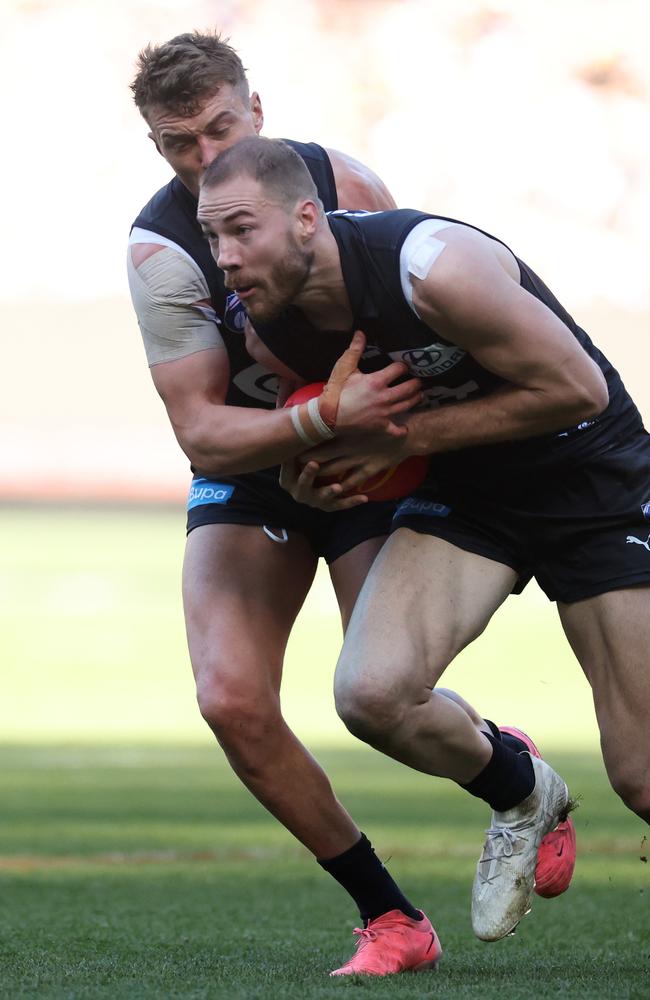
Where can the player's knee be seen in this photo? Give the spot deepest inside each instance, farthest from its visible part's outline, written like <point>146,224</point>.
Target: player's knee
<point>369,710</point>
<point>638,800</point>
<point>636,796</point>
<point>634,790</point>
<point>235,715</point>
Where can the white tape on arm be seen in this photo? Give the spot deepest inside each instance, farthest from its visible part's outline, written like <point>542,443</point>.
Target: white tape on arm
<point>419,253</point>
<point>322,429</point>
<point>308,423</point>
<point>299,429</point>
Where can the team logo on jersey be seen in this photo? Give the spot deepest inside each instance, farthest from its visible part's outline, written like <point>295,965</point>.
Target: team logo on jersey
<point>203,491</point>
<point>428,361</point>
<point>645,510</point>
<point>258,383</point>
<point>235,314</point>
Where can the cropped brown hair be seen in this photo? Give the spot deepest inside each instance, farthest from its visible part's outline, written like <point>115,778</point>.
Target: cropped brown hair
<point>272,162</point>
<point>179,74</point>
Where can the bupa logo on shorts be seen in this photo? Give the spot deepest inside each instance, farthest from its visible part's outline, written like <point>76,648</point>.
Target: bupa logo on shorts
<point>427,507</point>
<point>204,491</point>
<point>645,510</point>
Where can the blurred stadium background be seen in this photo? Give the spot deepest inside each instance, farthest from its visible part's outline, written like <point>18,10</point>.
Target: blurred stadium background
<point>132,863</point>
<point>531,120</point>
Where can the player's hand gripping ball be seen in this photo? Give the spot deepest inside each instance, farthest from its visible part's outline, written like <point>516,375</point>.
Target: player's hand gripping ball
<point>391,484</point>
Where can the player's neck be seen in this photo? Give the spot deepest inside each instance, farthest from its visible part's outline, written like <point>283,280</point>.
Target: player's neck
<point>324,300</point>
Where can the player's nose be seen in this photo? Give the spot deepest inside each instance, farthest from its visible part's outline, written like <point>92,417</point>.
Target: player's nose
<point>208,150</point>
<point>227,258</point>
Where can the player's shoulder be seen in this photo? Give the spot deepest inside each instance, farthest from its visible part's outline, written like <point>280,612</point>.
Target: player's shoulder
<point>308,150</point>
<point>170,211</point>
<point>164,269</point>
<point>383,229</point>
<point>357,185</point>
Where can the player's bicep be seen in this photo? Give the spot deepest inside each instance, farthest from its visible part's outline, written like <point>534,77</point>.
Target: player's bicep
<point>471,299</point>
<point>191,386</point>
<point>172,303</point>
<point>358,187</point>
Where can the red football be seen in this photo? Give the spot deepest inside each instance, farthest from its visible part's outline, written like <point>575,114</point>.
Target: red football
<point>391,484</point>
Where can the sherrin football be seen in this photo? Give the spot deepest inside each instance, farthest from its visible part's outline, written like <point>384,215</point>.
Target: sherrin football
<point>391,484</point>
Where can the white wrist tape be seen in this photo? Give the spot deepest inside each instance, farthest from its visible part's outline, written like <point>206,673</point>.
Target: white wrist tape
<point>299,429</point>
<point>317,430</point>
<point>326,433</point>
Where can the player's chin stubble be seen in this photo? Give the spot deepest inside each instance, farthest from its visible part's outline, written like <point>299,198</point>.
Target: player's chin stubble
<point>287,281</point>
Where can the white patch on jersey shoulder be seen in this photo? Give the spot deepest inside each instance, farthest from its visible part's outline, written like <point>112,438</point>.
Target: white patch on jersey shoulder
<point>420,250</point>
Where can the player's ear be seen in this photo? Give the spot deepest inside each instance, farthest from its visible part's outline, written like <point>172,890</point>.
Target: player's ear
<point>256,111</point>
<point>307,214</point>
<point>151,136</point>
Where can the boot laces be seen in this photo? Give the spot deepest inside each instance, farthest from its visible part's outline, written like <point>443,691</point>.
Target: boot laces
<point>508,838</point>
<point>365,934</point>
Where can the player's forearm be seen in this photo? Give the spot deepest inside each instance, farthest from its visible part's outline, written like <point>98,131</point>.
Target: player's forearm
<point>511,413</point>
<point>231,440</point>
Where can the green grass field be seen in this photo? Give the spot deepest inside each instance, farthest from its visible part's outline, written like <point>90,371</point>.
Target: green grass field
<point>133,865</point>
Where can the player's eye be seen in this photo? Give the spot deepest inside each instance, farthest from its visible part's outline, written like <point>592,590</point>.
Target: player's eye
<point>178,144</point>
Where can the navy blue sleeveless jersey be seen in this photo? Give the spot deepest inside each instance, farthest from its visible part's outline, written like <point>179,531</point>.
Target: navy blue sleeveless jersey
<point>369,247</point>
<point>172,213</point>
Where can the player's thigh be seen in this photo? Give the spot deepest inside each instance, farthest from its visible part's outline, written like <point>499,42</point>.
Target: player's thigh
<point>610,635</point>
<point>349,572</point>
<point>423,601</point>
<point>241,594</point>
<point>350,542</point>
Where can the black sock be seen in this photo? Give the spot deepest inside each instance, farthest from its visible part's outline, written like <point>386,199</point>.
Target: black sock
<point>362,874</point>
<point>506,780</point>
<point>507,738</point>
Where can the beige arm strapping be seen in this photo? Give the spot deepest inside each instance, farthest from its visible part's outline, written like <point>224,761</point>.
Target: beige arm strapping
<point>171,300</point>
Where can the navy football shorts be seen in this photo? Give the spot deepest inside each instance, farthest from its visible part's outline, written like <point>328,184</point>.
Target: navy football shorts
<point>581,528</point>
<point>257,498</point>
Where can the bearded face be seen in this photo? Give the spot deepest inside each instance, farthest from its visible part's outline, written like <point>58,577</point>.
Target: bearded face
<point>270,292</point>
<point>252,238</point>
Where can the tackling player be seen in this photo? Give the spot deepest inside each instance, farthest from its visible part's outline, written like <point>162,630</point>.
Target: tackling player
<point>251,550</point>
